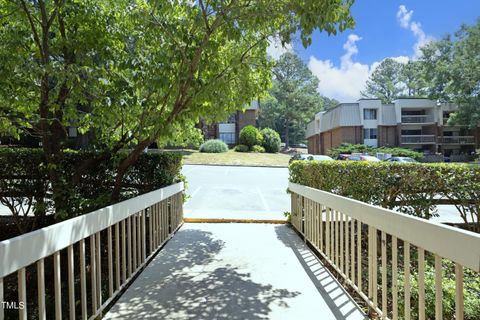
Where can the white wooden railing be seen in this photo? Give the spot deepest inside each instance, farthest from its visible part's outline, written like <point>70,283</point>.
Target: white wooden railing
<point>346,233</point>
<point>126,235</point>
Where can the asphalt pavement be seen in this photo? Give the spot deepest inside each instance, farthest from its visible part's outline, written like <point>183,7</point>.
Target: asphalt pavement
<point>235,192</point>
<point>231,192</point>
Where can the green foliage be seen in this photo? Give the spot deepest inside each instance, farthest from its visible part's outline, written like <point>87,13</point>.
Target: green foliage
<point>241,148</point>
<point>384,82</point>
<point>258,149</point>
<point>293,100</point>
<point>453,70</point>
<point>412,188</point>
<point>24,180</point>
<point>271,140</point>
<point>471,292</point>
<point>362,148</point>
<point>250,136</point>
<point>214,146</point>
<point>133,73</point>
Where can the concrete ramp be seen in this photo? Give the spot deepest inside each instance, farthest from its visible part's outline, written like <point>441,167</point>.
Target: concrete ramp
<point>235,271</point>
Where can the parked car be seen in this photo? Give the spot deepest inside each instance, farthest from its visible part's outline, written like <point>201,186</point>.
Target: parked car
<point>343,156</point>
<point>362,158</point>
<point>401,159</point>
<point>300,156</point>
<point>298,145</point>
<point>321,158</point>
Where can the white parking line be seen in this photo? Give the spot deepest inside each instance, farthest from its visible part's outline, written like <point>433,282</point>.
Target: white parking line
<point>267,208</point>
<point>195,192</point>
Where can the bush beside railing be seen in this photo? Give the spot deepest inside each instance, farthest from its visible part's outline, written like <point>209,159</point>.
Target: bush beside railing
<point>402,266</point>
<point>75,268</point>
<point>25,188</point>
<point>414,188</point>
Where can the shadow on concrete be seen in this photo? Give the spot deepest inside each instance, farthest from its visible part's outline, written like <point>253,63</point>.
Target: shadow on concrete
<point>337,299</point>
<point>184,282</point>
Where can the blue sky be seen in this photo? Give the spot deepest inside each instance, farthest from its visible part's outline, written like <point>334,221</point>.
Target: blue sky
<point>384,28</point>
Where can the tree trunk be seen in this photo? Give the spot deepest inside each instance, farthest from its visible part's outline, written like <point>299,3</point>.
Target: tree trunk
<point>125,164</point>
<point>287,137</point>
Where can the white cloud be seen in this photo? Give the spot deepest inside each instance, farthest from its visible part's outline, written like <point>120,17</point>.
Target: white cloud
<point>345,83</point>
<point>404,18</point>
<point>276,49</point>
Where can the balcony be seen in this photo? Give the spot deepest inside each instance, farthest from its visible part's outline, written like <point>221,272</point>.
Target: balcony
<point>464,140</point>
<point>417,139</point>
<point>416,119</point>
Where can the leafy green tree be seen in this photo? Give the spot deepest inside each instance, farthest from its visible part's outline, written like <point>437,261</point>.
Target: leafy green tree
<point>412,78</point>
<point>453,70</point>
<point>134,73</point>
<point>384,82</point>
<point>294,98</point>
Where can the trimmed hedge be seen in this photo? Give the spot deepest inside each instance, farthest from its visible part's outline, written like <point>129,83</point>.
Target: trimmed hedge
<point>413,188</point>
<point>24,180</point>
<point>214,146</point>
<point>271,140</point>
<point>250,136</point>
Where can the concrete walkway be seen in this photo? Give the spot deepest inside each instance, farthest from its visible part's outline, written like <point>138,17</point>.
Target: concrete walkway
<point>235,271</point>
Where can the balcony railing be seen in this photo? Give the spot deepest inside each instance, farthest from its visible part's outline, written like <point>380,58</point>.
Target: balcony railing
<point>378,251</point>
<point>456,140</point>
<point>417,119</point>
<point>417,139</point>
<point>107,248</point>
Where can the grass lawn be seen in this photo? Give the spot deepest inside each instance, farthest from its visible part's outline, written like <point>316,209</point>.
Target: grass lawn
<point>235,158</point>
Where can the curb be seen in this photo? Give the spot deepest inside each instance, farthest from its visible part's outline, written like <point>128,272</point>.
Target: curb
<point>215,220</point>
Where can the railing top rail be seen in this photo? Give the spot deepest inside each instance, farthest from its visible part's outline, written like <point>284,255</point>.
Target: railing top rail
<point>23,250</point>
<point>418,135</point>
<point>455,244</point>
<point>416,115</point>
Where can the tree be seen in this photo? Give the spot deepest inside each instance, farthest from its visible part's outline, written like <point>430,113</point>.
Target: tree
<point>134,73</point>
<point>294,98</point>
<point>384,82</point>
<point>412,78</point>
<point>453,70</point>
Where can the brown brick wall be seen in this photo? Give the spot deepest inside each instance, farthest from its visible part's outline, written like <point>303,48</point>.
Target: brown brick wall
<point>352,135</point>
<point>314,144</point>
<point>245,118</point>
<point>336,137</point>
<point>387,136</point>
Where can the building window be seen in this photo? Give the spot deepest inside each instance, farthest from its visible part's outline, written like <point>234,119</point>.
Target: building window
<point>370,133</point>
<point>369,114</point>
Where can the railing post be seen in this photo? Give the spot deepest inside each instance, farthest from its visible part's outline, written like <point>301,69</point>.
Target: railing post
<point>459,307</point>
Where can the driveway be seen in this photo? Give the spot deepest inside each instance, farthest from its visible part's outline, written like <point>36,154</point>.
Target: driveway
<point>236,192</point>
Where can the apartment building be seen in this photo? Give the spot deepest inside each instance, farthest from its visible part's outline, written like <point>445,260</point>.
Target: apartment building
<point>229,130</point>
<point>419,124</point>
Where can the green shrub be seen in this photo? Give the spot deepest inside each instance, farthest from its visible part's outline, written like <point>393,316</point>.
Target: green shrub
<point>24,180</point>
<point>214,146</point>
<point>241,148</point>
<point>362,148</point>
<point>271,140</point>
<point>413,188</point>
<point>250,136</point>
<point>258,149</point>
<point>471,292</point>
<point>400,152</point>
